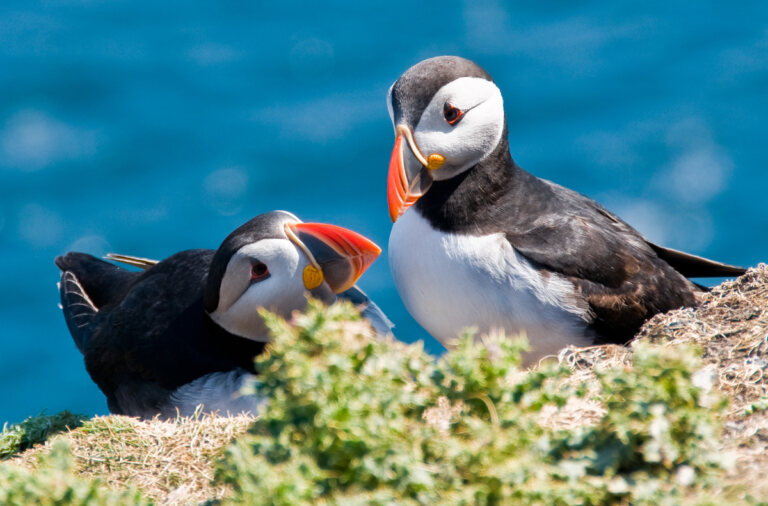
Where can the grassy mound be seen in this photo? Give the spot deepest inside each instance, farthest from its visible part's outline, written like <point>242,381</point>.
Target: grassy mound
<point>170,462</point>
<point>679,417</point>
<point>53,481</point>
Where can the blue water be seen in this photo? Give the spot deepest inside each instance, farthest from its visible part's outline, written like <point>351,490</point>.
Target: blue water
<point>149,127</point>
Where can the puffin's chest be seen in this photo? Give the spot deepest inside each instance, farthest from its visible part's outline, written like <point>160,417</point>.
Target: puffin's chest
<point>450,282</point>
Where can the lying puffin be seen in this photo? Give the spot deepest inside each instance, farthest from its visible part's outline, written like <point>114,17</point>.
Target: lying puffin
<point>185,331</point>
<point>478,242</point>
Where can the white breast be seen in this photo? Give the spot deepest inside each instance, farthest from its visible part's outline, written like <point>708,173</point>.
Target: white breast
<point>450,282</point>
<point>225,393</point>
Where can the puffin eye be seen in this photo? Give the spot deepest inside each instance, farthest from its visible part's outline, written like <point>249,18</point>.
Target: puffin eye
<point>259,271</point>
<point>452,114</point>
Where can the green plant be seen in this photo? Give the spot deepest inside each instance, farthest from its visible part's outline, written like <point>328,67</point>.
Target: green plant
<point>35,429</point>
<point>358,420</point>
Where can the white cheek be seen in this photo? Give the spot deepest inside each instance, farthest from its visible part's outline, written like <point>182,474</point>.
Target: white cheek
<point>273,294</point>
<point>471,139</point>
<point>282,292</point>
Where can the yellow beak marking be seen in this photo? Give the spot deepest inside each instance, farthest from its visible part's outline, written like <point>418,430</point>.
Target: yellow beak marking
<point>312,276</point>
<point>435,161</point>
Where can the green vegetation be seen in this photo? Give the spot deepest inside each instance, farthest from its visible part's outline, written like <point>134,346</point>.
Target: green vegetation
<point>358,420</point>
<point>36,429</point>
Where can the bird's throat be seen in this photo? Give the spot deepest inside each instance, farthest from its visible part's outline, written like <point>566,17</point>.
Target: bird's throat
<point>463,202</point>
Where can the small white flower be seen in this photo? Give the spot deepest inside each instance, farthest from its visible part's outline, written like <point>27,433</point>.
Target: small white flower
<point>685,475</point>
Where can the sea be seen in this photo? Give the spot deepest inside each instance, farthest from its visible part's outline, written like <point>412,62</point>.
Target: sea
<point>146,128</point>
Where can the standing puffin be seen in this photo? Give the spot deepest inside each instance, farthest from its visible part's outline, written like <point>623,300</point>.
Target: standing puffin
<point>185,331</point>
<point>490,246</point>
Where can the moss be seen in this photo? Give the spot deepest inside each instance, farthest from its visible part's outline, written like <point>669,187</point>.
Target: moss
<point>35,429</point>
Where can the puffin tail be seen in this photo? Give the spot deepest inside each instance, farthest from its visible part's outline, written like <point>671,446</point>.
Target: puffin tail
<point>692,266</point>
<point>87,283</point>
<point>78,308</point>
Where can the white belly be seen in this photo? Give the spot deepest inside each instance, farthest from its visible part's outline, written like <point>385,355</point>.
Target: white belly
<point>452,282</point>
<point>217,392</point>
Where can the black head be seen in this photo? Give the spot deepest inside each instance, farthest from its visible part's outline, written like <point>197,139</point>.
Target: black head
<point>413,90</point>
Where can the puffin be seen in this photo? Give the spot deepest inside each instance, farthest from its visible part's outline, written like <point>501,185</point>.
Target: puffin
<point>477,242</point>
<point>183,332</point>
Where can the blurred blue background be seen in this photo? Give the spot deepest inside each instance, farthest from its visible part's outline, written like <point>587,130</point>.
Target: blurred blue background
<point>149,127</point>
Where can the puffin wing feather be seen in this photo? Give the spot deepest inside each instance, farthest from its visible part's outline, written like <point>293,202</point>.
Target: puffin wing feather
<point>144,263</point>
<point>613,268</point>
<point>369,310</point>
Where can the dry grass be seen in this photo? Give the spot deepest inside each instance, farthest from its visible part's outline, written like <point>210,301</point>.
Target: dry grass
<point>171,462</point>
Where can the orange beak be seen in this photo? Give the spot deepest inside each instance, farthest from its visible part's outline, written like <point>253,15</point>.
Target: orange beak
<point>408,178</point>
<point>340,255</point>
<point>398,196</point>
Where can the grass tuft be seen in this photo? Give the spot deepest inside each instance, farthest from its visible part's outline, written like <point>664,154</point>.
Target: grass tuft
<point>34,430</point>
<point>55,482</point>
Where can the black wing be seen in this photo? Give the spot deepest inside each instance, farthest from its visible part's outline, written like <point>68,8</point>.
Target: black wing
<point>369,310</point>
<point>624,278</point>
<point>620,279</point>
<point>159,337</point>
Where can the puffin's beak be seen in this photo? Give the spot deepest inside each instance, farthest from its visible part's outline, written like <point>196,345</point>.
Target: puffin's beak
<point>336,255</point>
<point>409,177</point>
